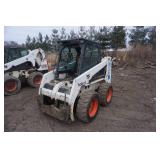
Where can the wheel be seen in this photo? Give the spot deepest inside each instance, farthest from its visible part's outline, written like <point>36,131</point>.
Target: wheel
<point>87,106</point>
<point>105,94</point>
<point>12,85</point>
<point>34,79</point>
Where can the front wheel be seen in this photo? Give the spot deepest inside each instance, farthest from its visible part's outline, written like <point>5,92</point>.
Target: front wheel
<point>87,107</point>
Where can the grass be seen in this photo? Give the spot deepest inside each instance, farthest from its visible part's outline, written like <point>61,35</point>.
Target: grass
<point>137,56</point>
<point>51,59</point>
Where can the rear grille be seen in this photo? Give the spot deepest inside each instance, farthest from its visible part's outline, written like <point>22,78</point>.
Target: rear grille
<point>49,86</point>
<point>64,90</point>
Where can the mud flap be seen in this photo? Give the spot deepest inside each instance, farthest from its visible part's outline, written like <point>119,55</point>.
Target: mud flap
<point>60,114</point>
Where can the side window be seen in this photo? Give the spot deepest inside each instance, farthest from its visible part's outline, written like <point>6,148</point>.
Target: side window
<point>95,55</point>
<point>16,54</point>
<point>87,58</point>
<point>88,52</point>
<point>24,53</point>
<point>13,55</point>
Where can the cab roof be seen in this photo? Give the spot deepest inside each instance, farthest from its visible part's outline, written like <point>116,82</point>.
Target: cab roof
<point>76,41</point>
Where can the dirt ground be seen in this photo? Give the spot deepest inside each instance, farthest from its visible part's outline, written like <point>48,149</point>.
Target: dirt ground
<point>133,107</point>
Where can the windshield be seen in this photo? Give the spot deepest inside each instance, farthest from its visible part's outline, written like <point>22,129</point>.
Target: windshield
<point>68,59</point>
<point>68,55</point>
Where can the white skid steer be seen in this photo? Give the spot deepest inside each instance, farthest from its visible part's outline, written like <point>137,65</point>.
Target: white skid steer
<point>80,83</point>
<point>23,65</point>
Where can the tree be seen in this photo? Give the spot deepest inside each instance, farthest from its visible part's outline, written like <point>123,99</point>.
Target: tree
<point>118,37</point>
<point>40,38</point>
<point>11,44</point>
<point>34,43</point>
<point>152,36</point>
<point>39,42</point>
<point>92,33</point>
<point>82,32</point>
<point>138,36</point>
<point>72,35</point>
<point>54,39</point>
<point>28,42</point>
<point>103,37</point>
<point>47,43</point>
<point>63,35</point>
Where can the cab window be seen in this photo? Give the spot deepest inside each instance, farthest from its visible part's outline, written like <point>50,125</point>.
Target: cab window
<point>87,58</point>
<point>24,53</point>
<point>95,55</point>
<point>90,58</point>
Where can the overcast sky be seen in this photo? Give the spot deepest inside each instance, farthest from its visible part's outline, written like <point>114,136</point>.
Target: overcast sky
<point>19,33</point>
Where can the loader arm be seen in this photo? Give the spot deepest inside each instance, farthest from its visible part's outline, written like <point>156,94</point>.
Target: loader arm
<point>83,79</point>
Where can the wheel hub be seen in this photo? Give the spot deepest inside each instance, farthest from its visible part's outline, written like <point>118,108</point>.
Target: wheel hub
<point>37,80</point>
<point>109,94</point>
<point>93,107</point>
<point>10,86</point>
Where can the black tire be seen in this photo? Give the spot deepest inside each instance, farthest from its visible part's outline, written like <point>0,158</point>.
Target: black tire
<point>12,85</point>
<point>103,91</point>
<point>84,105</point>
<point>47,100</point>
<point>31,79</point>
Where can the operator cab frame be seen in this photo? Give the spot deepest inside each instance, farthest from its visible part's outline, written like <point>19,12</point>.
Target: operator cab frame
<point>81,55</point>
<point>13,53</point>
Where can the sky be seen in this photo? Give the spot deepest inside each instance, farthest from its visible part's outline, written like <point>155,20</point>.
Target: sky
<point>19,33</point>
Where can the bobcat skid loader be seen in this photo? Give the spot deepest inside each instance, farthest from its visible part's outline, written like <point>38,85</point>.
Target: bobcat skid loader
<point>23,65</point>
<point>79,84</point>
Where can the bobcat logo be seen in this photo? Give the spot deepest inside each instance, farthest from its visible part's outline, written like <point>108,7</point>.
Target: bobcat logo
<point>88,76</point>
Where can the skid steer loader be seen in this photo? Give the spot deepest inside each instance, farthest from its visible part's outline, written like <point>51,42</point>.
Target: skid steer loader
<point>79,84</point>
<point>23,65</point>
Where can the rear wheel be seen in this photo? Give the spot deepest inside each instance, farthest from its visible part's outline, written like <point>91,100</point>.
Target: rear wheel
<point>12,85</point>
<point>105,94</point>
<point>34,79</point>
<point>88,106</point>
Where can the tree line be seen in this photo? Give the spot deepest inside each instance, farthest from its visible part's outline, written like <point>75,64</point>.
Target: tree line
<point>113,37</point>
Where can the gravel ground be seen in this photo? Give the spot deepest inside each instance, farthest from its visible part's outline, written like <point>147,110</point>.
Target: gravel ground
<point>133,107</point>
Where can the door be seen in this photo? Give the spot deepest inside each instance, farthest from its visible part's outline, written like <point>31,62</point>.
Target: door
<point>91,57</point>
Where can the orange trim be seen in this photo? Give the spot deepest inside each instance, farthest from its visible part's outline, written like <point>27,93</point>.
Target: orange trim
<point>93,107</point>
<point>109,94</point>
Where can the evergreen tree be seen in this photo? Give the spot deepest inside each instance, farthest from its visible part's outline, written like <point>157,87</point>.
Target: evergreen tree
<point>152,36</point>
<point>54,39</point>
<point>118,37</point>
<point>138,36</point>
<point>92,33</point>
<point>39,43</point>
<point>63,35</point>
<point>82,32</point>
<point>40,38</point>
<point>72,35</point>
<point>47,43</point>
<point>28,42</point>
<point>33,43</point>
<point>104,37</point>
